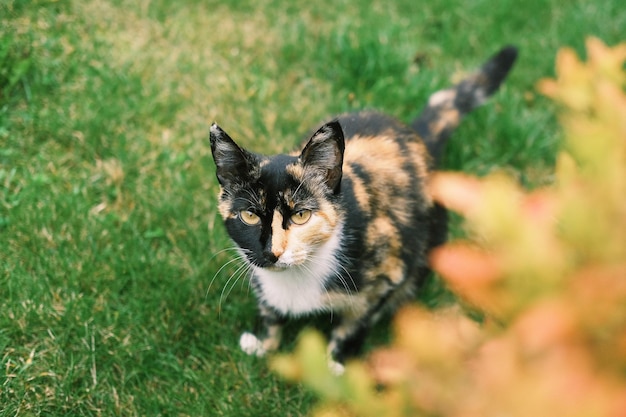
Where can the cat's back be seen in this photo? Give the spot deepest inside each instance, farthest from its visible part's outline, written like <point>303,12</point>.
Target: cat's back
<point>383,193</point>
<point>372,123</point>
<point>372,136</point>
<point>384,159</point>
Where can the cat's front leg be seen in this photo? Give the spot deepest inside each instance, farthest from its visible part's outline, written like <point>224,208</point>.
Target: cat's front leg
<point>346,339</point>
<point>269,334</point>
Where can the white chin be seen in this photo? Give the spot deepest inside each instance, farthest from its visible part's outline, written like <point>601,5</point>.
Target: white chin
<point>278,266</point>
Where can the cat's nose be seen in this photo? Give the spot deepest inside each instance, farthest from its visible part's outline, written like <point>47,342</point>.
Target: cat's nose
<point>270,256</point>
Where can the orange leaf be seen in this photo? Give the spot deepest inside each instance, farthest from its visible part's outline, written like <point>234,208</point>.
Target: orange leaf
<point>457,192</point>
<point>464,265</point>
<point>470,272</point>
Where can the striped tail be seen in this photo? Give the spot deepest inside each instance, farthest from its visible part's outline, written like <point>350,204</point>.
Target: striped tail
<point>447,107</point>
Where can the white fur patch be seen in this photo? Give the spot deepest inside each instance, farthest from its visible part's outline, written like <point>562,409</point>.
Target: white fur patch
<point>480,97</point>
<point>300,289</point>
<point>336,368</point>
<point>250,344</point>
<point>441,96</point>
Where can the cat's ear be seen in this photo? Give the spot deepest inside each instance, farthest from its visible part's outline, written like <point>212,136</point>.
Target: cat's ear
<point>323,154</point>
<point>232,162</point>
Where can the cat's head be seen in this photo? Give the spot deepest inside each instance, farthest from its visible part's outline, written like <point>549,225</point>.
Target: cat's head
<point>280,209</point>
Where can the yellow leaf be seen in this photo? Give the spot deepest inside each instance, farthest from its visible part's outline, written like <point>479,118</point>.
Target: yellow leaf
<point>607,62</point>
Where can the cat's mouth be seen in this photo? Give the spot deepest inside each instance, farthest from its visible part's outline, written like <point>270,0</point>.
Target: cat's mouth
<point>285,262</point>
<point>279,266</point>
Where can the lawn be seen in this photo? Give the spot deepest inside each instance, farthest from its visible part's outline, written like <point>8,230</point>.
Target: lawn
<point>112,292</point>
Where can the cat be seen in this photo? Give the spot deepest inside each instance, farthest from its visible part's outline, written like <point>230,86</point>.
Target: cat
<point>346,224</point>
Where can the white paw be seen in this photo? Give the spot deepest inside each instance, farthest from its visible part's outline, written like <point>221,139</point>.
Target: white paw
<point>250,344</point>
<point>336,368</point>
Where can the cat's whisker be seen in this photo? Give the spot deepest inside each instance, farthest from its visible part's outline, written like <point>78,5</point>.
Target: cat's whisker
<point>337,274</point>
<point>295,193</point>
<point>348,291</point>
<point>233,275</point>
<point>238,274</point>
<point>254,199</point>
<point>242,274</point>
<point>236,259</point>
<point>230,248</point>
<point>350,277</point>
<point>252,203</point>
<point>320,281</point>
<point>249,280</point>
<point>216,254</point>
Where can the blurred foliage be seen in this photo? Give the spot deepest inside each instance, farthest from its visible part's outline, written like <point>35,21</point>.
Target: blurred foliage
<point>547,269</point>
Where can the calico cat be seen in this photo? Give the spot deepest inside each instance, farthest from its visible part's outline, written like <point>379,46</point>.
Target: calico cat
<point>346,224</point>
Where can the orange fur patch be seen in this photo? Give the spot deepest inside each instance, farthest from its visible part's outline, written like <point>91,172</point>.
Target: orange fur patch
<point>447,119</point>
<point>225,207</point>
<point>279,235</point>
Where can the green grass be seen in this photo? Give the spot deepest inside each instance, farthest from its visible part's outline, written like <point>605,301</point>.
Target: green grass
<point>107,185</point>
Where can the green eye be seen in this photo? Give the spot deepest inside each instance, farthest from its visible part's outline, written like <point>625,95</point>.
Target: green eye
<point>249,217</point>
<point>301,217</point>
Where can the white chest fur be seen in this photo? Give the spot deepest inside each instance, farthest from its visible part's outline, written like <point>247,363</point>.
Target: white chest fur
<point>301,289</point>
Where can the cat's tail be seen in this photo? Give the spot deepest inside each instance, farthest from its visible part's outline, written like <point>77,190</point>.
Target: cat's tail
<point>447,107</point>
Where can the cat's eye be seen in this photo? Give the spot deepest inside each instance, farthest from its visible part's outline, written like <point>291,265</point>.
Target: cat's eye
<point>249,217</point>
<point>301,217</point>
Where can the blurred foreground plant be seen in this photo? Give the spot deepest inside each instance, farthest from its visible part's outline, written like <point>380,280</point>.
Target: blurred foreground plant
<point>547,269</point>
